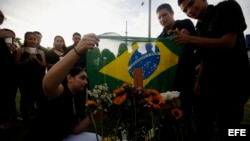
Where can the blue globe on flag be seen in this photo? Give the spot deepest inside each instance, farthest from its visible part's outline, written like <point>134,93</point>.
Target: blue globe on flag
<point>146,57</point>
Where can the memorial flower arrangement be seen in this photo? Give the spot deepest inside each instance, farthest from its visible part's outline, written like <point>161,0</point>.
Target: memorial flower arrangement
<point>97,103</point>
<point>137,113</point>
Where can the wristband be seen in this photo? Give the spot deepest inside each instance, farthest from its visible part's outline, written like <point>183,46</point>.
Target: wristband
<point>79,54</point>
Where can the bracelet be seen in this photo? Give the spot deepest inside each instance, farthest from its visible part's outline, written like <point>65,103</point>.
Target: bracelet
<point>79,54</point>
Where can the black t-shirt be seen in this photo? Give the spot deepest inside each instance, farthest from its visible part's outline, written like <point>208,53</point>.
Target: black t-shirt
<point>52,57</point>
<point>6,59</point>
<point>55,119</point>
<point>30,72</point>
<point>226,69</point>
<point>224,65</point>
<point>185,73</point>
<point>180,24</point>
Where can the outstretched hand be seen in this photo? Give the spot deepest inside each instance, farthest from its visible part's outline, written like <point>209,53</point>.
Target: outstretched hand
<point>88,41</point>
<point>182,36</point>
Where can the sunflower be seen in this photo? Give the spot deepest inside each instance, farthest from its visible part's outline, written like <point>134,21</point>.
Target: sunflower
<point>120,95</point>
<point>110,138</point>
<point>92,104</point>
<point>154,99</point>
<point>177,113</point>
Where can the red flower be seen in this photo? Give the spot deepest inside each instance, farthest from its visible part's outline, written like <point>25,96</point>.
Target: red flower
<point>177,113</point>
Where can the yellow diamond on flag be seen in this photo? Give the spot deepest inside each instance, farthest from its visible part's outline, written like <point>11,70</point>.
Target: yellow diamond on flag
<point>155,63</point>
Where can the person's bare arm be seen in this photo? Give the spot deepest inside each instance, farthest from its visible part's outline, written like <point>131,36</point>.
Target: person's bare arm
<point>82,125</point>
<point>52,80</point>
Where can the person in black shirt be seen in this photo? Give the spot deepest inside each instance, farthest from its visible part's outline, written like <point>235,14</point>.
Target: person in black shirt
<point>222,85</point>
<point>82,60</point>
<point>39,38</point>
<point>185,74</point>
<point>8,74</point>
<point>59,119</point>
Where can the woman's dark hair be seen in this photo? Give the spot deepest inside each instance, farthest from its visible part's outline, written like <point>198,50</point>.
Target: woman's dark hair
<point>26,36</point>
<point>64,45</point>
<point>76,70</point>
<point>164,6</point>
<point>73,72</point>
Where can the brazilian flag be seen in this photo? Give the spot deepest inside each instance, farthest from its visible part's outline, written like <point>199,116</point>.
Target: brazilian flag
<point>116,57</point>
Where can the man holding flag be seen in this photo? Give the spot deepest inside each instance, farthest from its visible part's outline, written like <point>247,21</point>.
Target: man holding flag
<point>223,80</point>
<point>185,74</point>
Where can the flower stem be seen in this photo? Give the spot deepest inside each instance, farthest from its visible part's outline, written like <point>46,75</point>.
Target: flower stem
<point>102,123</point>
<point>92,117</point>
<point>153,125</point>
<point>117,124</point>
<point>134,111</point>
<point>180,129</point>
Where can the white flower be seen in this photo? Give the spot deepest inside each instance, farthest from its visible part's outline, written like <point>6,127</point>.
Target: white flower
<point>170,95</point>
<point>101,95</point>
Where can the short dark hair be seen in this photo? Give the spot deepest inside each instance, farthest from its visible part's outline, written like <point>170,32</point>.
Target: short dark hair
<point>179,2</point>
<point>76,33</point>
<point>164,6</point>
<point>37,32</point>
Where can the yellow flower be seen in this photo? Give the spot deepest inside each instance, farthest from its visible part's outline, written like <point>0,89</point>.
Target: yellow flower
<point>110,138</point>
<point>92,104</point>
<point>120,95</point>
<point>154,99</point>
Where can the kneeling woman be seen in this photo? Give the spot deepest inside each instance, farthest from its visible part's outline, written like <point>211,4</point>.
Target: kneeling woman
<point>59,120</point>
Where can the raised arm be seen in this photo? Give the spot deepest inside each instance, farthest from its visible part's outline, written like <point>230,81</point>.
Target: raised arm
<point>52,86</point>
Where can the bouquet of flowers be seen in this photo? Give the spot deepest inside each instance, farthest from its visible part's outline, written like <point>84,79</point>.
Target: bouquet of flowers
<point>138,113</point>
<point>97,103</point>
